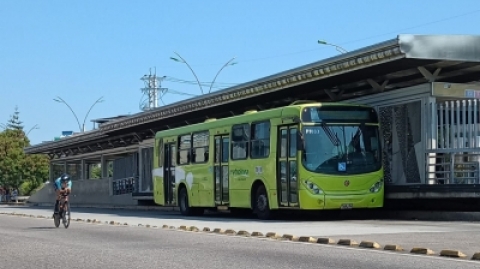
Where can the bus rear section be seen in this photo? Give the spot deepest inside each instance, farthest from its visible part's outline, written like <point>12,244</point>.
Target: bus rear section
<point>340,164</point>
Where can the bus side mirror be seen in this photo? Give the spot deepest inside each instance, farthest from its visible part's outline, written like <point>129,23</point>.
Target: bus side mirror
<point>300,141</point>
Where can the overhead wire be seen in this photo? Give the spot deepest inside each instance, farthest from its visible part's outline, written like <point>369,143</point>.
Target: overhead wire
<point>207,84</point>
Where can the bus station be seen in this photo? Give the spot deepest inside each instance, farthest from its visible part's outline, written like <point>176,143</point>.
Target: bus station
<point>425,89</point>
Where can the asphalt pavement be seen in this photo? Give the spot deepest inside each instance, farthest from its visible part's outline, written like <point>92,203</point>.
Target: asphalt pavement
<point>435,235</point>
<point>36,243</point>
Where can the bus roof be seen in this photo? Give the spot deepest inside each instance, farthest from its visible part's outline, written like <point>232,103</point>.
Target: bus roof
<point>249,116</point>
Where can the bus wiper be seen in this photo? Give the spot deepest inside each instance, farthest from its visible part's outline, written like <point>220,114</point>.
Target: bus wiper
<point>333,138</point>
<point>358,134</point>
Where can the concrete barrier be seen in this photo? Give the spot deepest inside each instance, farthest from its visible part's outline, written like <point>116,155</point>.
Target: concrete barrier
<point>85,192</point>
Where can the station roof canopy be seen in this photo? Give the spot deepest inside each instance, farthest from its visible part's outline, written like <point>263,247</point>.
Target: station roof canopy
<point>404,61</point>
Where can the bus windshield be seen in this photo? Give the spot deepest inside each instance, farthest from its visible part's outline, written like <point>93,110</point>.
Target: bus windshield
<point>341,149</point>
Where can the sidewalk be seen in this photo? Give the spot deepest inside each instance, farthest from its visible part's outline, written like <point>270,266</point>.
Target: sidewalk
<point>138,207</point>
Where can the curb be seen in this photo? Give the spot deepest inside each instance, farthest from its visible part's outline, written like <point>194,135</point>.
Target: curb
<point>450,253</point>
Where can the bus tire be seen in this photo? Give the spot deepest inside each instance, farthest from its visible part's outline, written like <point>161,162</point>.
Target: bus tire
<point>262,206</point>
<point>185,209</point>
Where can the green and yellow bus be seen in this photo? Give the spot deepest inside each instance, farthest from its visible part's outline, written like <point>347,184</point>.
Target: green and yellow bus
<point>306,156</point>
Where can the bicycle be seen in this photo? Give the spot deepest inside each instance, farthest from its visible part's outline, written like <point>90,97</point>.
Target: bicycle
<point>63,212</point>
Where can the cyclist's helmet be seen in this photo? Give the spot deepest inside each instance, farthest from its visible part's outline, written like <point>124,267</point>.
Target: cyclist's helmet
<point>64,178</point>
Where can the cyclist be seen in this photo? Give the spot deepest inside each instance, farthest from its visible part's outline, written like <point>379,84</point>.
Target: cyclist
<point>62,185</point>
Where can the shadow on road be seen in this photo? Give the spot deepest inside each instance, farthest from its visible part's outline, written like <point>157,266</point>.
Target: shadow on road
<point>41,228</point>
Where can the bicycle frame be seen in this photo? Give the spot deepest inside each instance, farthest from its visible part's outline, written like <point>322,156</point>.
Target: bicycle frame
<point>63,211</point>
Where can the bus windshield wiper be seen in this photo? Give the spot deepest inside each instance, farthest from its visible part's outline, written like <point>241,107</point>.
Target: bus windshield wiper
<point>333,138</point>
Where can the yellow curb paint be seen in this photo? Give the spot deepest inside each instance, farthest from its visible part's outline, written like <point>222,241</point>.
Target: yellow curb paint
<point>393,248</point>
<point>452,253</point>
<point>476,256</point>
<point>424,251</point>
<point>325,240</point>
<point>347,242</point>
<point>290,237</point>
<point>307,239</point>
<point>192,229</point>
<point>218,231</point>
<point>272,235</point>
<point>369,244</point>
<point>230,232</point>
<point>243,233</point>
<point>257,234</point>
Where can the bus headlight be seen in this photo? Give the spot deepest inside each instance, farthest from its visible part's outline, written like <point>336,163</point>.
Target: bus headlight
<point>313,187</point>
<point>377,186</point>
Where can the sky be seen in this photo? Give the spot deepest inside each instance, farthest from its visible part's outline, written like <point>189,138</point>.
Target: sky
<point>81,51</point>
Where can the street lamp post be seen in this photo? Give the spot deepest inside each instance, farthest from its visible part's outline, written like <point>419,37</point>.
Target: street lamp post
<point>35,127</point>
<point>225,65</point>
<point>81,127</point>
<point>189,67</point>
<point>338,48</point>
<point>181,60</point>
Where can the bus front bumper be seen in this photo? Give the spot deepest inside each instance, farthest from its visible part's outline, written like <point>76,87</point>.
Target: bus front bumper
<point>329,201</point>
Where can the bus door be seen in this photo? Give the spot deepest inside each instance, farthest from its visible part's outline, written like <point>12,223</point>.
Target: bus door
<point>221,181</point>
<point>169,158</point>
<point>287,175</point>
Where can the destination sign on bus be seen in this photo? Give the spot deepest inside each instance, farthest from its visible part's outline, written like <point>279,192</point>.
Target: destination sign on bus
<point>339,114</point>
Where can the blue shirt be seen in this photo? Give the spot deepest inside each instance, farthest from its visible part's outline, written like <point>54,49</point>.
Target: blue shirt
<point>58,184</point>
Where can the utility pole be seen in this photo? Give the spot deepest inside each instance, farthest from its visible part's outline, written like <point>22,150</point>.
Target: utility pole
<point>153,90</point>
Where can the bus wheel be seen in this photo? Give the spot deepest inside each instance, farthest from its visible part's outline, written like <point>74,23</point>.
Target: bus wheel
<point>262,207</point>
<point>183,202</point>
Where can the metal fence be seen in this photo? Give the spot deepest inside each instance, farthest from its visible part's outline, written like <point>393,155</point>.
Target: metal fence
<point>124,185</point>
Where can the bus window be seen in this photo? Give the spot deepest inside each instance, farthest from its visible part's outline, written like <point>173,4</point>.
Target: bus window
<point>240,138</point>
<point>292,151</point>
<point>160,152</point>
<point>184,150</point>
<point>260,146</point>
<point>200,147</point>
<point>283,145</point>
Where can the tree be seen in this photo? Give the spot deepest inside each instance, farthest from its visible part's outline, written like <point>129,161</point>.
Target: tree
<point>14,121</point>
<point>17,168</point>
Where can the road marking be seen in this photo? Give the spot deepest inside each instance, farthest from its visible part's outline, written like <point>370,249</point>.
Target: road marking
<point>271,236</point>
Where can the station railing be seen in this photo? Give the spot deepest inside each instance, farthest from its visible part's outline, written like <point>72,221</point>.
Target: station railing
<point>124,185</point>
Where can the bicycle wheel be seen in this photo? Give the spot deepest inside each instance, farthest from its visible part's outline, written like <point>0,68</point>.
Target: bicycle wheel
<point>56,220</point>
<point>66,216</point>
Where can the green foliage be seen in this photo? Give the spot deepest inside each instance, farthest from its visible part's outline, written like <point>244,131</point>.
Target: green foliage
<point>96,172</point>
<point>16,168</point>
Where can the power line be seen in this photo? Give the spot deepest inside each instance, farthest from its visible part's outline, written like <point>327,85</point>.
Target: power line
<point>413,27</point>
<point>358,40</point>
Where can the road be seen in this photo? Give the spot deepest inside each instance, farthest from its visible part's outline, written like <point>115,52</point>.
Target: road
<point>459,235</point>
<point>35,243</point>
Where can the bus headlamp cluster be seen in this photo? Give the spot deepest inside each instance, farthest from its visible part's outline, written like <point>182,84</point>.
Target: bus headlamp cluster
<point>312,187</point>
<point>377,186</point>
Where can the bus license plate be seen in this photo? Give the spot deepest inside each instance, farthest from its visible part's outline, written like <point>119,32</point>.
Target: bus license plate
<point>346,206</point>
